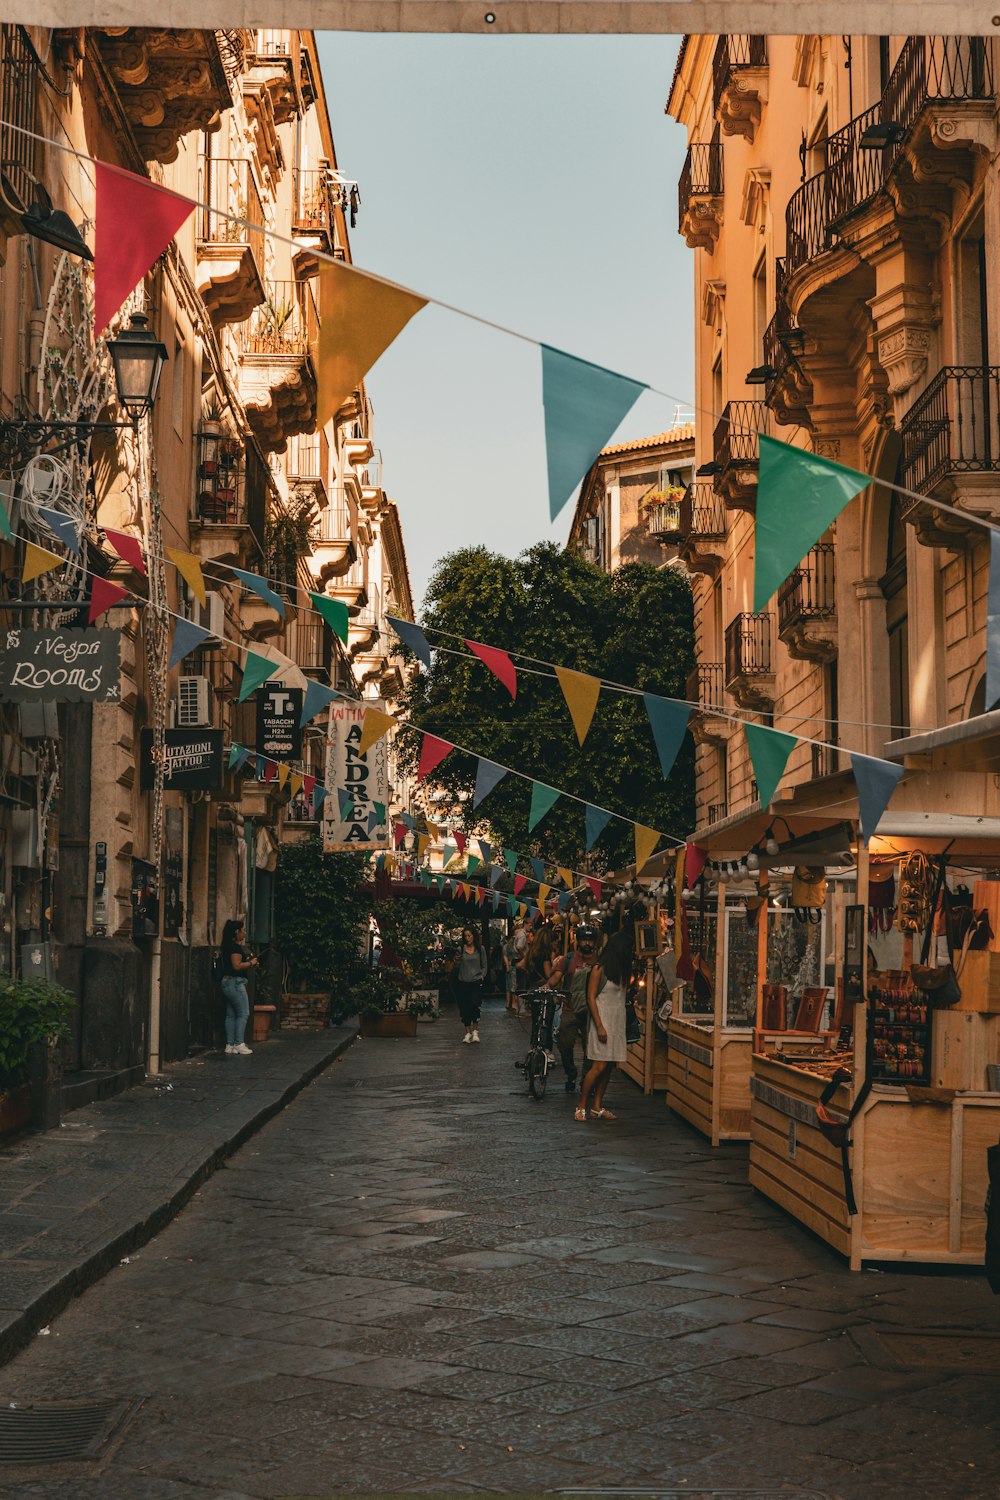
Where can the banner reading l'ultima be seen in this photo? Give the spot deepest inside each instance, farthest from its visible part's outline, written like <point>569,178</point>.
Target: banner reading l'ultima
<point>354,782</point>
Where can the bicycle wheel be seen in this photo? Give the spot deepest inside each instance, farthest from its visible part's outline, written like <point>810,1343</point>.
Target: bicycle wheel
<point>538,1072</point>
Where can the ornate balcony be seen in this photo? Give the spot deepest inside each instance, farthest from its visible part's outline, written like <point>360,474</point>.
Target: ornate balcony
<point>274,70</point>
<point>739,83</point>
<point>231,490</point>
<point>230,255</point>
<point>699,195</point>
<point>807,606</point>
<point>703,527</point>
<point>663,516</point>
<point>735,449</point>
<point>335,549</point>
<point>951,452</point>
<point>787,389</point>
<point>277,376</point>
<point>169,82</point>
<point>314,207</point>
<point>706,689</point>
<point>749,664</point>
<point>20,81</point>
<point>308,468</point>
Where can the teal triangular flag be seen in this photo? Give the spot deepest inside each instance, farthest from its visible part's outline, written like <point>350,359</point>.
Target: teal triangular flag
<point>487,776</point>
<point>346,801</point>
<point>537,868</point>
<point>320,795</point>
<point>597,819</point>
<point>187,636</point>
<point>876,780</point>
<point>511,858</point>
<point>513,904</point>
<point>241,760</point>
<point>799,495</point>
<point>334,613</point>
<point>262,588</point>
<point>668,721</point>
<point>235,751</point>
<point>495,873</point>
<point>383,812</point>
<point>317,698</point>
<point>256,669</point>
<point>583,403</point>
<point>412,636</point>
<point>543,799</point>
<point>565,899</point>
<point>66,528</point>
<point>769,752</point>
<point>5,530</point>
<point>473,865</point>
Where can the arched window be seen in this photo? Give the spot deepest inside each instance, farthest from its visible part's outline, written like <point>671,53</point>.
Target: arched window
<point>893,584</point>
<point>978,704</point>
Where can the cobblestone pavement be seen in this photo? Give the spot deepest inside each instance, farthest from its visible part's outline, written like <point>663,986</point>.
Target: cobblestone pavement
<point>416,1278</point>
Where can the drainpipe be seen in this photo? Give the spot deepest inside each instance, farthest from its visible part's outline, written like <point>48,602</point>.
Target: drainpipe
<point>154,1008</point>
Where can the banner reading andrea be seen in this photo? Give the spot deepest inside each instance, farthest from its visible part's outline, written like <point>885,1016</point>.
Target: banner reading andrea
<point>364,777</point>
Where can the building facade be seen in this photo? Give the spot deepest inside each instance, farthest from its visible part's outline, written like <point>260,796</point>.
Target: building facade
<point>839,199</point>
<point>630,502</point>
<point>122,883</point>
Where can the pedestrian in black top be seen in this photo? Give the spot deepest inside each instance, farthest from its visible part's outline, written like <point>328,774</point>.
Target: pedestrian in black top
<point>470,973</point>
<point>237,961</point>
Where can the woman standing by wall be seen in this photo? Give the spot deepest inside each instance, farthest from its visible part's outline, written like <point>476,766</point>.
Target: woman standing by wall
<point>607,990</point>
<point>237,961</point>
<point>469,976</point>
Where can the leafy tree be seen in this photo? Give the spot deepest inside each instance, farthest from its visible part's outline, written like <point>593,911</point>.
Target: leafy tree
<point>321,915</point>
<point>632,627</point>
<point>31,1010</point>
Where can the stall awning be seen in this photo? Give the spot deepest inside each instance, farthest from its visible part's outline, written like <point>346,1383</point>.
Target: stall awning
<point>973,744</point>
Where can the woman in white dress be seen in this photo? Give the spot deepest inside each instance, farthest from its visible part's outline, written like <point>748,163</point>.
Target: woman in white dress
<point>606,1045</point>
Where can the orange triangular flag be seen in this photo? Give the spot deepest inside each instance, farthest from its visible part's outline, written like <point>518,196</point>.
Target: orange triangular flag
<point>581,693</point>
<point>422,842</point>
<point>646,840</point>
<point>283,774</point>
<point>566,876</point>
<point>359,318</point>
<point>189,568</point>
<point>374,725</point>
<point>298,781</point>
<point>37,561</point>
<point>433,829</point>
<point>466,889</point>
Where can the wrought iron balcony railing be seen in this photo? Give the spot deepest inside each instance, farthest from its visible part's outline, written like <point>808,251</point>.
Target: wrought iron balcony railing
<point>20,81</point>
<point>717,812</point>
<point>705,686</point>
<point>664,518</point>
<point>703,513</point>
<point>286,324</point>
<point>232,483</point>
<point>228,187</point>
<point>731,54</point>
<point>809,592</point>
<point>736,433</point>
<point>952,428</point>
<point>313,203</point>
<point>749,647</point>
<point>701,175</point>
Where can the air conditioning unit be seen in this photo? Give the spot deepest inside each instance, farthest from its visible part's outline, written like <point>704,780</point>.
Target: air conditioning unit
<point>193,708</point>
<point>211,615</point>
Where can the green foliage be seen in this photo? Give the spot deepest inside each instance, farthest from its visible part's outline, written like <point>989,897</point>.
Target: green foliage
<point>409,929</point>
<point>321,915</point>
<point>376,994</point>
<point>31,1010</point>
<point>288,535</point>
<point>634,627</point>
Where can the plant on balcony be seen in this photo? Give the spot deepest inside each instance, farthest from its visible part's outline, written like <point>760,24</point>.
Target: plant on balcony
<point>288,535</point>
<point>275,318</point>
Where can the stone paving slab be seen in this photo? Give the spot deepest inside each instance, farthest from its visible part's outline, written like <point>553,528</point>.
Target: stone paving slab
<point>75,1201</point>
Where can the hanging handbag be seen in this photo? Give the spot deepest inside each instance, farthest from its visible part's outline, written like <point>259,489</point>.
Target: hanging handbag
<point>914,910</point>
<point>938,982</point>
<point>881,897</point>
<point>808,893</point>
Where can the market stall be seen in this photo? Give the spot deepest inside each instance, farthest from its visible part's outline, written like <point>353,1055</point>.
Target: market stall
<point>646,1063</point>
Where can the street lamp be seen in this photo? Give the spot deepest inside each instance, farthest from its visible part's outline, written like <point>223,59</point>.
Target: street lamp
<point>138,358</point>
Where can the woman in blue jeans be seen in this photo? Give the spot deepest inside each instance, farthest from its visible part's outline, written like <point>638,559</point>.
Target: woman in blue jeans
<point>236,961</point>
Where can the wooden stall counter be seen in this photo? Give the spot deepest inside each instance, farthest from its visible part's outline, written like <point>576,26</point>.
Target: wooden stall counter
<point>708,1077</point>
<point>646,1063</point>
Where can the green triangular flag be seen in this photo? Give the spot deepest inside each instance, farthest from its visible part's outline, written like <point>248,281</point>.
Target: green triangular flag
<point>334,613</point>
<point>473,865</point>
<point>511,857</point>
<point>5,530</point>
<point>799,495</point>
<point>256,669</point>
<point>769,752</point>
<point>543,799</point>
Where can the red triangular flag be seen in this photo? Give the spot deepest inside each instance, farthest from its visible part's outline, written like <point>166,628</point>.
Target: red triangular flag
<point>520,881</point>
<point>128,549</point>
<point>595,886</point>
<point>499,664</point>
<point>135,222</point>
<point>103,593</point>
<point>399,835</point>
<point>694,863</point>
<point>460,840</point>
<point>432,753</point>
<point>308,782</point>
<point>270,770</point>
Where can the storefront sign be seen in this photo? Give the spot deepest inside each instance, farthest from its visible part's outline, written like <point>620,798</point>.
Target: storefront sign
<point>59,666</point>
<point>192,760</point>
<point>279,734</point>
<point>364,777</point>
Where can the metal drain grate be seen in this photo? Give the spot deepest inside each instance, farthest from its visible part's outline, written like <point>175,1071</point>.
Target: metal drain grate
<point>67,1430</point>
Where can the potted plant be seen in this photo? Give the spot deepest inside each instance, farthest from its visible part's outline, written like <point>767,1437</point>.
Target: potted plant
<point>381,1005</point>
<point>34,1018</point>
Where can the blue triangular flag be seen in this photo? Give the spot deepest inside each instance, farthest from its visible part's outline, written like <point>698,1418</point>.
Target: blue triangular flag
<point>411,635</point>
<point>876,781</point>
<point>513,904</point>
<point>565,899</point>
<point>537,868</point>
<point>261,587</point>
<point>187,636</point>
<point>495,872</point>
<point>488,776</point>
<point>66,528</point>
<point>583,403</point>
<point>317,698</point>
<point>668,721</point>
<point>409,820</point>
<point>597,820</point>
<point>235,751</point>
<point>486,850</point>
<point>993,626</point>
<point>319,797</point>
<point>346,801</point>
<point>496,899</point>
<point>373,821</point>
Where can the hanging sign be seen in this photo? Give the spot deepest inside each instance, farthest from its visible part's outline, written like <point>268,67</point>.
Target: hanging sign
<point>365,777</point>
<point>279,732</point>
<point>192,760</point>
<point>59,666</point>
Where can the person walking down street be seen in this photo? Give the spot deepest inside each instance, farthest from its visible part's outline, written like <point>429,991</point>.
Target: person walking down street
<point>237,961</point>
<point>535,969</point>
<point>469,976</point>
<point>571,974</point>
<point>607,989</point>
<point>513,952</point>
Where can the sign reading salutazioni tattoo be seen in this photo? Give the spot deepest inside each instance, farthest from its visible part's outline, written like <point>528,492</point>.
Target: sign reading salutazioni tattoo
<point>59,666</point>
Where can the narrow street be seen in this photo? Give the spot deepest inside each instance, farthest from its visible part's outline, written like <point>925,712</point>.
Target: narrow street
<point>416,1278</point>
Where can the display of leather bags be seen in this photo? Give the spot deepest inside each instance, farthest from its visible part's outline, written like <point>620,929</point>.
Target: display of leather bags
<point>914,910</point>
<point>938,982</point>
<point>881,896</point>
<point>808,893</point>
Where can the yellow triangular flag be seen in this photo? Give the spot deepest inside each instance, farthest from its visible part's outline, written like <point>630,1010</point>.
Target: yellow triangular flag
<point>646,840</point>
<point>543,895</point>
<point>297,782</point>
<point>581,693</point>
<point>466,889</point>
<point>522,908</point>
<point>566,876</point>
<point>359,318</point>
<point>37,561</point>
<point>422,842</point>
<point>374,725</point>
<point>189,568</point>
<point>433,829</point>
<point>283,774</point>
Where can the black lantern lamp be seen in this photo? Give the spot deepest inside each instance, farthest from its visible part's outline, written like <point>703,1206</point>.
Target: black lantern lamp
<point>880,135</point>
<point>138,358</point>
<point>54,226</point>
<point>760,374</point>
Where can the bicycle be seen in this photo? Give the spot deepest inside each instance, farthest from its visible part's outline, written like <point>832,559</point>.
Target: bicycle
<point>540,1056</point>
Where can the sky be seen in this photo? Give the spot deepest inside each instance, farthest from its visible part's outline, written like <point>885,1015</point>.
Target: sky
<point>531,180</point>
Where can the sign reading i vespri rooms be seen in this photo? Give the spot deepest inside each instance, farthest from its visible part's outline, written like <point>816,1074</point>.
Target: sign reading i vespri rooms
<point>59,666</point>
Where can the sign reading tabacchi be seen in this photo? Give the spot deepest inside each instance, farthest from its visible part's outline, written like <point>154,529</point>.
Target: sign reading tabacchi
<point>365,777</point>
<point>59,666</point>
